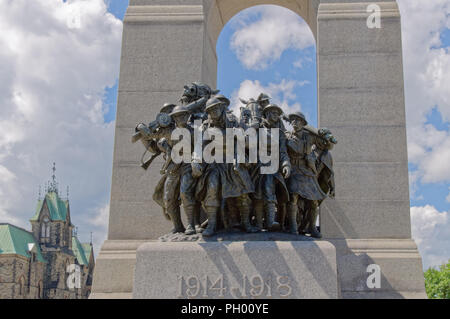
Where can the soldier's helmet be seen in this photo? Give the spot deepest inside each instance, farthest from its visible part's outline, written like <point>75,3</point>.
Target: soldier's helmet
<point>223,98</point>
<point>298,115</point>
<point>180,109</point>
<point>212,103</point>
<point>271,107</point>
<point>263,97</point>
<point>167,108</point>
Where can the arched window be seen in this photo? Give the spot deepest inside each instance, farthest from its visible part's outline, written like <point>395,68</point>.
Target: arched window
<point>21,286</point>
<point>45,228</point>
<point>66,272</point>
<point>40,293</point>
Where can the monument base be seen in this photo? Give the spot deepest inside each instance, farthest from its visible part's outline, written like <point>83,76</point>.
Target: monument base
<point>399,261</point>
<point>245,269</point>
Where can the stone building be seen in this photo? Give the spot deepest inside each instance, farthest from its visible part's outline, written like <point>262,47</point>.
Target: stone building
<point>49,262</point>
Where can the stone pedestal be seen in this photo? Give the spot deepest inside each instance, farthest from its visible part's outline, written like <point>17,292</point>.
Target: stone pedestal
<point>253,269</point>
<point>128,264</point>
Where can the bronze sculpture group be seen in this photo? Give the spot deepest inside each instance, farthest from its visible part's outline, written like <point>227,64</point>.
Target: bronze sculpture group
<point>233,195</point>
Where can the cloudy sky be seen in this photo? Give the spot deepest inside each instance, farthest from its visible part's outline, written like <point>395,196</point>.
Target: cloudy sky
<point>59,87</point>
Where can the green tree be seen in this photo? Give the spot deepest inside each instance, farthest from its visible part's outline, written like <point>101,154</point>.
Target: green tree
<point>437,282</point>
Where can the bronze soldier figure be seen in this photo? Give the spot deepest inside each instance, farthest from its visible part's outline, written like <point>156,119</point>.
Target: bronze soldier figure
<point>181,115</point>
<point>156,137</point>
<point>325,161</point>
<point>245,118</point>
<point>222,181</point>
<point>303,180</point>
<point>270,186</point>
<point>325,177</point>
<point>303,186</point>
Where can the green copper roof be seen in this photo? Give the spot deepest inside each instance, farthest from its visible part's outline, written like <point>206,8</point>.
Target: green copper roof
<point>87,250</point>
<point>78,250</point>
<point>15,240</point>
<point>57,207</point>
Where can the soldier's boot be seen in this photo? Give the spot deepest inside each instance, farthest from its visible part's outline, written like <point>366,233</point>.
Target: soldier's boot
<point>176,220</point>
<point>292,216</point>
<point>282,216</point>
<point>190,229</point>
<point>272,225</point>
<point>303,221</point>
<point>259,213</point>
<point>245,219</point>
<point>197,217</point>
<point>212,221</point>
<point>312,229</point>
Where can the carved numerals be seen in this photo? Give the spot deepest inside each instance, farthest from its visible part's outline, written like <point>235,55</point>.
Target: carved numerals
<point>247,287</point>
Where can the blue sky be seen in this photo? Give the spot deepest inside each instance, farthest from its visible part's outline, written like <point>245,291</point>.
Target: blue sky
<point>59,93</point>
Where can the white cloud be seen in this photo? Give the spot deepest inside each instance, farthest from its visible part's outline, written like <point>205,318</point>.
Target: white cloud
<point>413,184</point>
<point>259,43</point>
<point>99,219</point>
<point>430,231</point>
<point>427,74</point>
<point>282,94</point>
<point>300,63</point>
<point>53,80</point>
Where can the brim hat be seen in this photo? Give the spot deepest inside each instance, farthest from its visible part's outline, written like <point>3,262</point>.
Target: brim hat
<point>272,107</point>
<point>167,108</point>
<point>212,103</point>
<point>299,115</point>
<point>224,99</point>
<point>263,97</point>
<point>179,110</point>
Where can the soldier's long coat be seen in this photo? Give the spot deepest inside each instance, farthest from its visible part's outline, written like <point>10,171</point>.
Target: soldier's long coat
<point>272,187</point>
<point>222,180</point>
<point>303,180</point>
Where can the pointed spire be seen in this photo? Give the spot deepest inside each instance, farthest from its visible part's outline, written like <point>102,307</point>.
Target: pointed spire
<point>39,195</point>
<point>67,192</point>
<point>53,185</point>
<point>54,172</point>
<point>91,239</point>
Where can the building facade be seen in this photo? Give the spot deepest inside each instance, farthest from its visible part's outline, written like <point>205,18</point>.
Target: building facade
<point>49,262</point>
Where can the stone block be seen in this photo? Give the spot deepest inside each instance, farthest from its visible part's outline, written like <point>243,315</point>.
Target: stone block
<point>362,40</point>
<point>365,219</point>
<point>137,220</point>
<point>144,105</point>
<point>236,270</point>
<point>161,40</point>
<point>356,71</point>
<point>373,106</point>
<point>159,74</point>
<point>116,260</point>
<point>131,183</point>
<point>359,143</point>
<point>371,181</point>
<point>399,262</point>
